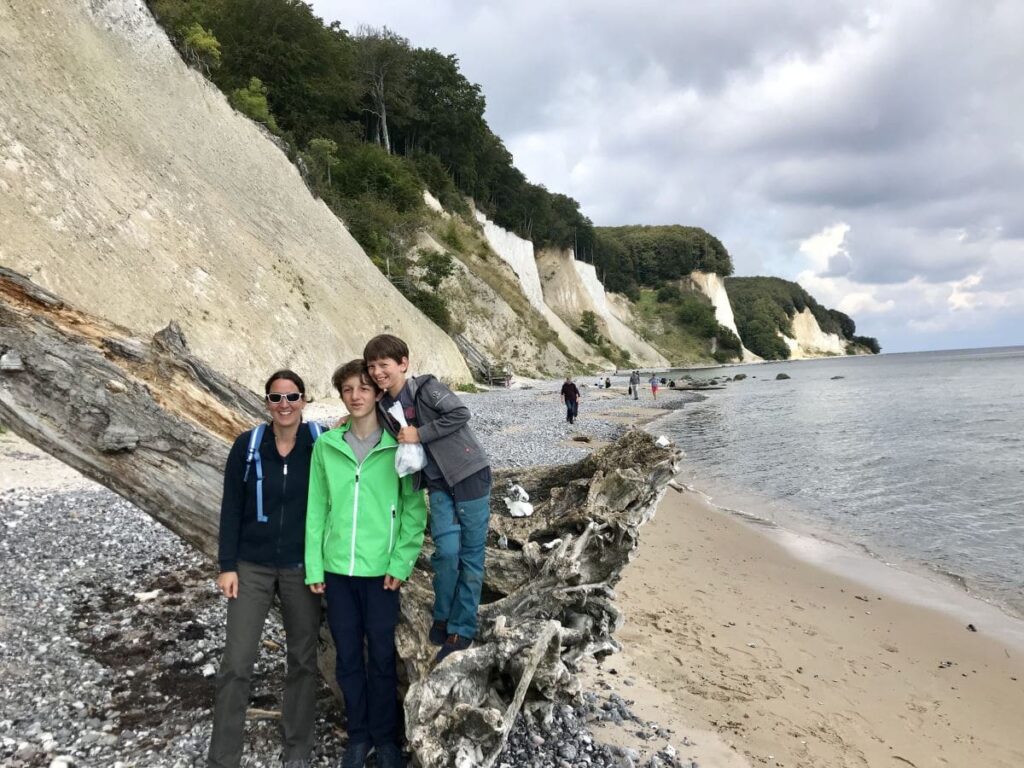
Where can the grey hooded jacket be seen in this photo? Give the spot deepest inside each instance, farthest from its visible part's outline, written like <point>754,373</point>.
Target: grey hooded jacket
<point>444,429</point>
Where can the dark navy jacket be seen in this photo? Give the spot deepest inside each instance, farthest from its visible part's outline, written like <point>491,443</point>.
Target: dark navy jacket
<point>279,542</point>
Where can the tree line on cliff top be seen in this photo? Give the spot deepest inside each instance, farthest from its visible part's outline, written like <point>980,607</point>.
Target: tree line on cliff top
<point>375,119</point>
<point>372,120</point>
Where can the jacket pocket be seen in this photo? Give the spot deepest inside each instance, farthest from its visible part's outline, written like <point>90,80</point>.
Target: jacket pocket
<point>391,530</point>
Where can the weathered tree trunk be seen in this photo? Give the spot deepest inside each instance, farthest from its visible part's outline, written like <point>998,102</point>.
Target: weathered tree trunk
<point>152,423</point>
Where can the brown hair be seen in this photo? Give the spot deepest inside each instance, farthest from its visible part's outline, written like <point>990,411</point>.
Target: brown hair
<point>385,346</point>
<point>287,375</point>
<point>352,368</point>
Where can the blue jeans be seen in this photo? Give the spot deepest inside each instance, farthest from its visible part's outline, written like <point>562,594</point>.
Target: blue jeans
<point>459,532</point>
<point>360,610</point>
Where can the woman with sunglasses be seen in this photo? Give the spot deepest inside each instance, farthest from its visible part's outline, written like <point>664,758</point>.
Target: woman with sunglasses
<point>261,554</point>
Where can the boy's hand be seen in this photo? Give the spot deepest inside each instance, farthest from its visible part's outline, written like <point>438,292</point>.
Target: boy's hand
<point>391,583</point>
<point>317,589</point>
<point>227,583</point>
<point>408,435</point>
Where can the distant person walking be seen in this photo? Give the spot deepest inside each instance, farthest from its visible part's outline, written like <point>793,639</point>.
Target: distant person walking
<point>654,386</point>
<point>634,384</point>
<point>571,399</point>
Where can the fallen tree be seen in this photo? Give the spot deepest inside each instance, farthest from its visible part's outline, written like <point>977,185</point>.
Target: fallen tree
<point>153,423</point>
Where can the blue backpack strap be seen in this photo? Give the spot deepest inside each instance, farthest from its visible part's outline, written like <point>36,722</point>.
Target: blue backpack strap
<point>315,429</point>
<point>253,457</point>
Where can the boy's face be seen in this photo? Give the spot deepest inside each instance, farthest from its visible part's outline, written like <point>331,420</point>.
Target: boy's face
<point>388,373</point>
<point>359,396</point>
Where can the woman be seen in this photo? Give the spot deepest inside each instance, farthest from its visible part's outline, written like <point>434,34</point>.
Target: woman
<point>261,554</point>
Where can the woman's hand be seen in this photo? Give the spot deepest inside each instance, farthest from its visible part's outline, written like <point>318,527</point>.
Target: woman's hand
<point>317,589</point>
<point>227,583</point>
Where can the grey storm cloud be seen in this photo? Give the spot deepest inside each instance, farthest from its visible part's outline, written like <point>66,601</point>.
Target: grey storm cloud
<point>767,123</point>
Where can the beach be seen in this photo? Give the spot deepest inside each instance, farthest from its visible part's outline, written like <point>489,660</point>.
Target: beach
<point>737,649</point>
<point>766,659</point>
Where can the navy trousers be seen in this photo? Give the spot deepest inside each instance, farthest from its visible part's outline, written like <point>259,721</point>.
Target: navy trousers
<point>362,614</point>
<point>572,409</point>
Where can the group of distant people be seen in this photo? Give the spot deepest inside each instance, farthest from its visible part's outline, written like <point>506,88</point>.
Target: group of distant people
<point>570,394</point>
<point>316,516</point>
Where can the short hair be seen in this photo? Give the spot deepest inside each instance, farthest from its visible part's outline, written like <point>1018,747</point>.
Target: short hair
<point>385,346</point>
<point>287,375</point>
<point>352,368</point>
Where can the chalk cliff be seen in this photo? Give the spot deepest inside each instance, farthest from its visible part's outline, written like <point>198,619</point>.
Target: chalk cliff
<point>713,286</point>
<point>519,255</point>
<point>130,187</point>
<point>809,340</point>
<point>572,287</point>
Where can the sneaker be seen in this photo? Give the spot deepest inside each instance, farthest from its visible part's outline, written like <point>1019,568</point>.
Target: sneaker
<point>355,755</point>
<point>389,756</point>
<point>452,644</point>
<point>438,632</point>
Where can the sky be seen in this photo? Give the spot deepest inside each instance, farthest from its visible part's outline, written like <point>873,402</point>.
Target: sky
<point>874,152</point>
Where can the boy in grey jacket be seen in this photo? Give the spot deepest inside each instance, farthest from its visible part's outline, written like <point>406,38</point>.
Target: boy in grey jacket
<point>458,481</point>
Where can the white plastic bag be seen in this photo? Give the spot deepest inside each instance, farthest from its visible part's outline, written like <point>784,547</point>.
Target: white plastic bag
<point>410,457</point>
<point>517,501</point>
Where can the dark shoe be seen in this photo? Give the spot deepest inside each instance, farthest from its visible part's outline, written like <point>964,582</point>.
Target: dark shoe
<point>389,756</point>
<point>452,644</point>
<point>355,755</point>
<point>438,632</point>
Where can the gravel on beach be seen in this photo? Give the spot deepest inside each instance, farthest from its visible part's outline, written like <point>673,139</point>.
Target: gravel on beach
<point>111,627</point>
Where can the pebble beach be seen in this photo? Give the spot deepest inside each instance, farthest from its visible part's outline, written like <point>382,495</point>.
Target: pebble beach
<point>111,628</point>
<point>743,646</point>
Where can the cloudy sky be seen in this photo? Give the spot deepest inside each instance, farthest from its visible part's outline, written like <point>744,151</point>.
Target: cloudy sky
<point>873,152</point>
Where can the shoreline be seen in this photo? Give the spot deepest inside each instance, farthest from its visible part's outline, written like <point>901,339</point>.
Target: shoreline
<point>779,661</point>
<point>744,644</point>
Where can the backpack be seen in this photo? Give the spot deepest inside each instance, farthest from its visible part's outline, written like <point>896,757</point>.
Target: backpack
<point>253,457</point>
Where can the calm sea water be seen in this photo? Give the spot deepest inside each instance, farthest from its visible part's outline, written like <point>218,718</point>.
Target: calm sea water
<point>917,457</point>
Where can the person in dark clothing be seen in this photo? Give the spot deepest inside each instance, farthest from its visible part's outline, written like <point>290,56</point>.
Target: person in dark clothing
<point>571,398</point>
<point>261,554</point>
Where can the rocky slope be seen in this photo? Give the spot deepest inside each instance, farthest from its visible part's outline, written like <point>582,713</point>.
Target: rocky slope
<point>129,186</point>
<point>571,287</point>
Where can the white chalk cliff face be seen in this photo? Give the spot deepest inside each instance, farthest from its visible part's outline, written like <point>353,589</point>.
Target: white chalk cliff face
<point>809,340</point>
<point>712,285</point>
<point>131,188</point>
<point>519,255</point>
<point>572,287</point>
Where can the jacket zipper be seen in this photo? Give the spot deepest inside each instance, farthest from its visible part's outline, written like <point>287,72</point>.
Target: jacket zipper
<point>355,519</point>
<point>355,512</point>
<point>280,522</point>
<point>391,530</point>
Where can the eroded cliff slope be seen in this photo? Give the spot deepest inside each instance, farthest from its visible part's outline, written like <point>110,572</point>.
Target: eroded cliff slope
<point>130,187</point>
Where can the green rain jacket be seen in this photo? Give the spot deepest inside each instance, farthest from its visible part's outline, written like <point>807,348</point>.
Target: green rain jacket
<point>361,519</point>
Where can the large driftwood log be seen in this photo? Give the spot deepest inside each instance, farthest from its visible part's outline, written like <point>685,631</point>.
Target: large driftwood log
<point>153,423</point>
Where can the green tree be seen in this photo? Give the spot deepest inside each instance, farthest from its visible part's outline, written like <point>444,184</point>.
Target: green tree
<point>383,59</point>
<point>323,153</point>
<point>436,266</point>
<point>201,47</point>
<point>588,329</point>
<point>251,101</point>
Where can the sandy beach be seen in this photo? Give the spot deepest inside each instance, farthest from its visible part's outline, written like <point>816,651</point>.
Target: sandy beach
<point>766,659</point>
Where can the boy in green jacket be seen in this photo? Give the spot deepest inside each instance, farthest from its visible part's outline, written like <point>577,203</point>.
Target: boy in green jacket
<point>364,530</point>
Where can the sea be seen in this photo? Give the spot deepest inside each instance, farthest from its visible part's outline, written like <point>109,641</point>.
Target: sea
<point>916,459</point>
